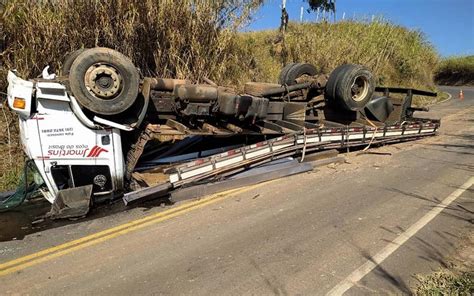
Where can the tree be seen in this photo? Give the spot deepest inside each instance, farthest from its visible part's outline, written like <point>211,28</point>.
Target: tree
<point>324,5</point>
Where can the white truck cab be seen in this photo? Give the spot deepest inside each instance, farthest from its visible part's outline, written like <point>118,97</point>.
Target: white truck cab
<point>69,150</point>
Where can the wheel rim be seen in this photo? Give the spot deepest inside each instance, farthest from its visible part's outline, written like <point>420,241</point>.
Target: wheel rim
<point>359,88</point>
<point>103,81</point>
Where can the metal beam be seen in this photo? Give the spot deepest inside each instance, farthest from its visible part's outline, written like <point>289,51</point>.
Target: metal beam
<point>290,125</point>
<point>262,176</point>
<point>176,125</point>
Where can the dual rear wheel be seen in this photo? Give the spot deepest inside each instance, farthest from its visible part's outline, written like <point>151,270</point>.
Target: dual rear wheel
<point>349,86</point>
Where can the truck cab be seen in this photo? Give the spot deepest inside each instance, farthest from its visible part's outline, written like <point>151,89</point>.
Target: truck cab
<point>68,149</point>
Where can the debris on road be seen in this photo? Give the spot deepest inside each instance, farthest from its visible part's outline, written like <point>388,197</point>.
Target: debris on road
<point>374,152</point>
<point>332,160</point>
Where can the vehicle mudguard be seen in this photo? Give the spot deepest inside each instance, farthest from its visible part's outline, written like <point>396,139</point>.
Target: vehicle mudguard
<point>379,108</point>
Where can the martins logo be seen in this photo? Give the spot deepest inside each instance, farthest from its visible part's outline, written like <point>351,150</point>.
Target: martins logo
<point>74,151</point>
<point>96,151</point>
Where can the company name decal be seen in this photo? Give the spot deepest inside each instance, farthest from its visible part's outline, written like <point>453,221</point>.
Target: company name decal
<point>96,151</point>
<point>75,151</point>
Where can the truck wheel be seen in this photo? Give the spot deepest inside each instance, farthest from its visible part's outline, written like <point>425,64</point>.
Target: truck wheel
<point>297,71</point>
<point>350,86</point>
<point>69,59</point>
<point>330,89</point>
<point>104,81</point>
<point>283,72</point>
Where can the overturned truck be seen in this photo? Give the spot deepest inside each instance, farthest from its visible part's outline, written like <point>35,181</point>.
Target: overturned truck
<point>91,133</point>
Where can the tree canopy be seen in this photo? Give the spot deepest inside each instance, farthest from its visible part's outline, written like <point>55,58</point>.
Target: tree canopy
<point>325,5</point>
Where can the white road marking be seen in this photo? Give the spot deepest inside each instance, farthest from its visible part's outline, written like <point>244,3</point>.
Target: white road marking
<point>368,266</point>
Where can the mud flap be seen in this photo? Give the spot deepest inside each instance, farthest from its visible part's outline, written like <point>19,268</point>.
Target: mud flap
<point>71,203</point>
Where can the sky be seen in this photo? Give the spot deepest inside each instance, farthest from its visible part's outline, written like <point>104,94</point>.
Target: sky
<point>447,24</point>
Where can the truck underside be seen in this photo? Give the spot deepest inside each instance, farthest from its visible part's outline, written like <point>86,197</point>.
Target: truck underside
<point>97,130</point>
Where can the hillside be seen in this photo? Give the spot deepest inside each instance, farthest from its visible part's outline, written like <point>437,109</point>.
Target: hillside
<point>402,57</point>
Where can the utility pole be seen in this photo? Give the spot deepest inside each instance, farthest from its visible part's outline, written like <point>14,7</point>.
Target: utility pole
<point>301,14</point>
<point>284,17</point>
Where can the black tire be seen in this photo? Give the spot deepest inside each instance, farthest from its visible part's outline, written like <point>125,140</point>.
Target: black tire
<point>104,81</point>
<point>283,72</point>
<point>350,87</point>
<point>297,71</point>
<point>330,89</point>
<point>69,59</point>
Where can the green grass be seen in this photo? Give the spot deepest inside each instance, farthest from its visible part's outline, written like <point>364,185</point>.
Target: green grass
<point>456,71</point>
<point>446,282</point>
<point>11,155</point>
<point>10,178</point>
<point>457,278</point>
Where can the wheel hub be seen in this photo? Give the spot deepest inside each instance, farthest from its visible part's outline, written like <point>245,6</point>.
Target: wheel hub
<point>359,88</point>
<point>103,81</point>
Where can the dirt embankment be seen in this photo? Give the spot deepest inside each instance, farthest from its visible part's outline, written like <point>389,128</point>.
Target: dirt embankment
<point>456,71</point>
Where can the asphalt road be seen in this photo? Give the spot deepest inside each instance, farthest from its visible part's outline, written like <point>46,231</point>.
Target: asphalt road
<point>360,226</point>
